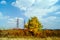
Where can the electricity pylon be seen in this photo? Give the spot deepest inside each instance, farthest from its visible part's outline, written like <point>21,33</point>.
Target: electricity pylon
<point>17,22</point>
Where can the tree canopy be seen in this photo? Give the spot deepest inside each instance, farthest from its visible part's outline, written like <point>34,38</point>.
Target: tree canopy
<point>33,24</point>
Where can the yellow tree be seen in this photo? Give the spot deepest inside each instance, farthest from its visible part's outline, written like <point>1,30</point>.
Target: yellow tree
<point>34,25</point>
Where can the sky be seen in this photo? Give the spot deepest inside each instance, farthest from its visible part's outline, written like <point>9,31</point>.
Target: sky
<point>47,12</point>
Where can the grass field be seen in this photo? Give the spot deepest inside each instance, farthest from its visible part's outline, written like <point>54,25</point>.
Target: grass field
<point>25,35</point>
<point>48,38</point>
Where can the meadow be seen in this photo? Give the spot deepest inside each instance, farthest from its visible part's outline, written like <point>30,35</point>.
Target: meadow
<point>30,38</point>
<point>20,34</point>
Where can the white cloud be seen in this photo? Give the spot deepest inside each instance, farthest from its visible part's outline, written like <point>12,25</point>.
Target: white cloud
<point>3,17</point>
<point>57,12</point>
<point>51,22</point>
<point>44,3</point>
<point>10,22</point>
<point>23,4</point>
<point>39,12</point>
<point>3,2</point>
<point>13,22</point>
<point>51,18</point>
<point>39,8</point>
<point>0,14</point>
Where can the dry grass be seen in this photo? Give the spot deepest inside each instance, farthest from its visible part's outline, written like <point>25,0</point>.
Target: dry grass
<point>25,35</point>
<point>27,38</point>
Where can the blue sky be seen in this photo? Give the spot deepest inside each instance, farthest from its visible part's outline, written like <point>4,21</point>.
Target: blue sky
<point>47,11</point>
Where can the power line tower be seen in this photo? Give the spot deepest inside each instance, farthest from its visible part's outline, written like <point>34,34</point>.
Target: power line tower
<point>17,22</point>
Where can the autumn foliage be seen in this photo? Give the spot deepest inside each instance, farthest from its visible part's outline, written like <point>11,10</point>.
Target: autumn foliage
<point>32,28</point>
